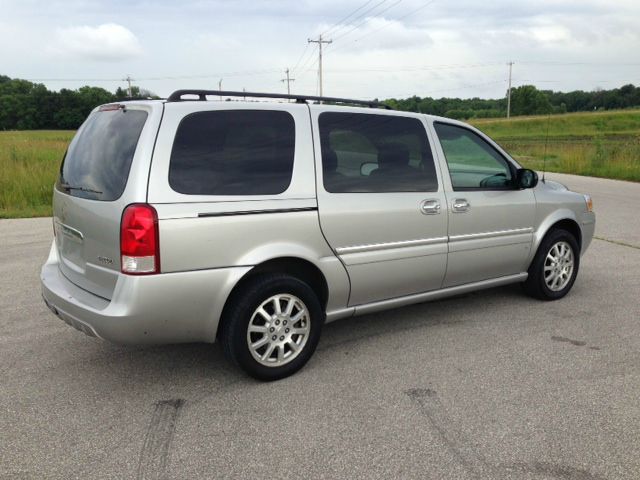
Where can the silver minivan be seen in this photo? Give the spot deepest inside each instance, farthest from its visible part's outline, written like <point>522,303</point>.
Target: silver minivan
<point>252,221</point>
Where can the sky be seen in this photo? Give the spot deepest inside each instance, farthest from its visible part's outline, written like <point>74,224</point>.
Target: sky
<point>380,48</point>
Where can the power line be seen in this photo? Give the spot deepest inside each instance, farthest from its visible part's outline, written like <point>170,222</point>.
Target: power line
<point>360,16</point>
<point>355,27</point>
<point>146,79</point>
<point>338,24</point>
<point>357,18</point>
<point>73,79</point>
<point>306,48</point>
<point>459,87</point>
<point>414,68</point>
<point>365,20</point>
<point>305,62</point>
<point>562,64</point>
<point>394,20</point>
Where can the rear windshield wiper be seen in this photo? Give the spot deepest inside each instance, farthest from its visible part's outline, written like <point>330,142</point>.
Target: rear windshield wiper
<point>66,186</point>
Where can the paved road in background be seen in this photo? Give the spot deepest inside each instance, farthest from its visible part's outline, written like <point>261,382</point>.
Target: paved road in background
<point>486,385</point>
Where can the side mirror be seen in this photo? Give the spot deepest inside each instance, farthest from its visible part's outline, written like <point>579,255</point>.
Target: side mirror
<point>526,178</point>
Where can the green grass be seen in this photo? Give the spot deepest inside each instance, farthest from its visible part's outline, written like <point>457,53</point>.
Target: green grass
<point>29,163</point>
<point>598,144</point>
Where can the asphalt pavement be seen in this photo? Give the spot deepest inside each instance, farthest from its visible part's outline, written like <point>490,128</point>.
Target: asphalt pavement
<point>487,385</point>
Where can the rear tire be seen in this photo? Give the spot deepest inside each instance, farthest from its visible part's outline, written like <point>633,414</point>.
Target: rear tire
<point>555,266</point>
<point>272,326</point>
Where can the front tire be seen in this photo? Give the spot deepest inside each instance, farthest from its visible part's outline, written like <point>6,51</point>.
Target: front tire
<point>555,266</point>
<point>272,326</point>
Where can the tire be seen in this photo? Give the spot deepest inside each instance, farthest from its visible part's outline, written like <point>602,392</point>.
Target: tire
<point>555,266</point>
<point>296,327</point>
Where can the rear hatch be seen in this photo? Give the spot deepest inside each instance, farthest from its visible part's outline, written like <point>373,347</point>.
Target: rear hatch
<point>89,196</point>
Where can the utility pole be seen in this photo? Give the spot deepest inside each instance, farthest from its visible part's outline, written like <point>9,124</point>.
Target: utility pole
<point>128,79</point>
<point>509,91</point>
<point>320,41</point>
<point>288,80</point>
<point>220,88</point>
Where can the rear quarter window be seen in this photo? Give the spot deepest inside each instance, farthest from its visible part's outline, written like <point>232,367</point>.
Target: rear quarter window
<point>233,152</point>
<point>97,163</point>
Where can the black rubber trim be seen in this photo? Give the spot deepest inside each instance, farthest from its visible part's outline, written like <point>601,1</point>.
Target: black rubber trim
<point>258,212</point>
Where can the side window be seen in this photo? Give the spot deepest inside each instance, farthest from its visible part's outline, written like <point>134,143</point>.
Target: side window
<point>233,152</point>
<point>375,153</point>
<point>473,163</point>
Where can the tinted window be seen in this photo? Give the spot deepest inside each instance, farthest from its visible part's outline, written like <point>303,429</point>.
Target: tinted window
<point>98,160</point>
<point>473,163</point>
<point>233,152</point>
<point>375,153</point>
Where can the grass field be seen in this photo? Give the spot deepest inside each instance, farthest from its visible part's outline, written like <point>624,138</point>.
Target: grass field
<point>598,144</point>
<point>29,163</point>
<point>601,144</point>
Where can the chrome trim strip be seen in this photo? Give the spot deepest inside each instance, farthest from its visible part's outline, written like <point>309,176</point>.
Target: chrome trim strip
<point>498,233</point>
<point>436,294</point>
<point>390,245</point>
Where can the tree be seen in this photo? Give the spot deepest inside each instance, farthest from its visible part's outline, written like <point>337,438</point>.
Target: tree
<point>528,100</point>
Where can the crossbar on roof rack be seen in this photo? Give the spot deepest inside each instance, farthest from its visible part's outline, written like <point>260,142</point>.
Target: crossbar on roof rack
<point>203,94</point>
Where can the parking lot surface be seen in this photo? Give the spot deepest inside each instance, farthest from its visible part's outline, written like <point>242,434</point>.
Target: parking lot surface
<point>487,385</point>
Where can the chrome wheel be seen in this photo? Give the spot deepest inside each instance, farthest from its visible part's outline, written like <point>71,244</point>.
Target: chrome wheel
<point>558,266</point>
<point>278,330</point>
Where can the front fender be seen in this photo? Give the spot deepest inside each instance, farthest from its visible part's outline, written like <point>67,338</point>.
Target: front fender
<point>547,222</point>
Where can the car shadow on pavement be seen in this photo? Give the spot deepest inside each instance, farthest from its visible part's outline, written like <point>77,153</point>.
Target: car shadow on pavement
<point>184,363</point>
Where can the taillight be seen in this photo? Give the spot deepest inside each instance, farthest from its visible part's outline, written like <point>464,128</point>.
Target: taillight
<point>139,240</point>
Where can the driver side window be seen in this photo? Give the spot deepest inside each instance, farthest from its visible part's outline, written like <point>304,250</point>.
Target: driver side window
<point>473,163</point>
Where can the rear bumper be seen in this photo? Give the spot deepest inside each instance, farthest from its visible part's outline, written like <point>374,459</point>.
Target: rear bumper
<point>153,309</point>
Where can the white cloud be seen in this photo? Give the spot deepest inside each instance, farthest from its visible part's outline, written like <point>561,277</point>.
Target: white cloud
<point>551,34</point>
<point>453,48</point>
<point>107,42</point>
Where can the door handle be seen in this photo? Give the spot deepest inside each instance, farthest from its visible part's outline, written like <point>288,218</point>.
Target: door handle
<point>460,205</point>
<point>430,207</point>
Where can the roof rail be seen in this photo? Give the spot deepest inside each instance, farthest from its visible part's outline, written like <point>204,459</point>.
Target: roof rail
<point>203,94</point>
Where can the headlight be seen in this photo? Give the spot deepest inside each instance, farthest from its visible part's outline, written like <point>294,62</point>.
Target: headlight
<point>587,198</point>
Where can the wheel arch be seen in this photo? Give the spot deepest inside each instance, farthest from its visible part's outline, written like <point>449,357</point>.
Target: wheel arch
<point>563,219</point>
<point>297,267</point>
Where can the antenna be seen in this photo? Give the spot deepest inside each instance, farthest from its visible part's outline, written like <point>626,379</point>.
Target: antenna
<point>544,155</point>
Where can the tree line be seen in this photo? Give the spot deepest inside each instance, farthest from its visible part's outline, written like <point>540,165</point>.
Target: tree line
<point>525,100</point>
<point>25,105</point>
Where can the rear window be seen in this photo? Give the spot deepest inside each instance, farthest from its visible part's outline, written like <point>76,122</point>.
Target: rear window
<point>233,152</point>
<point>98,160</point>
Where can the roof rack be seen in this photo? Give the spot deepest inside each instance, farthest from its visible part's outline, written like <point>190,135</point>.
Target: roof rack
<point>203,94</point>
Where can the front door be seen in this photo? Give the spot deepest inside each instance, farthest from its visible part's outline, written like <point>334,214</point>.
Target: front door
<point>381,202</point>
<point>490,221</point>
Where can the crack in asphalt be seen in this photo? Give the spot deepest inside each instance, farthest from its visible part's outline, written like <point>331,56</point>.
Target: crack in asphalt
<point>617,242</point>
